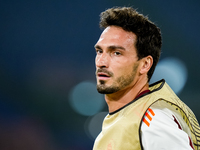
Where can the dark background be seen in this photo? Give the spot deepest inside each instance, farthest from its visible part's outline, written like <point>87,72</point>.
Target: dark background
<point>46,48</point>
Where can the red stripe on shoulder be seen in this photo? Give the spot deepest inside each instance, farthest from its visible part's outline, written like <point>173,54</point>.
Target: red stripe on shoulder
<point>151,111</point>
<point>146,122</point>
<point>175,120</point>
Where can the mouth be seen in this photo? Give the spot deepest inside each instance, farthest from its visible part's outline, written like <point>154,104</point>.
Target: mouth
<point>102,76</point>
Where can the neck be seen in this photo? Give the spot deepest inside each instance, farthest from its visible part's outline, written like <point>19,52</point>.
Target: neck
<point>123,97</point>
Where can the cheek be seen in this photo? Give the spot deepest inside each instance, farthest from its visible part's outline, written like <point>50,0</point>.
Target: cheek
<point>123,70</point>
<point>126,69</point>
<point>96,58</point>
<point>121,64</point>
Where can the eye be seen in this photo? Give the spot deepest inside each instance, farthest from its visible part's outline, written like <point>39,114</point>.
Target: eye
<point>117,53</point>
<point>99,51</point>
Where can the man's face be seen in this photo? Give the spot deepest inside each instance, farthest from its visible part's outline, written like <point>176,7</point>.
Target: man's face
<point>116,60</point>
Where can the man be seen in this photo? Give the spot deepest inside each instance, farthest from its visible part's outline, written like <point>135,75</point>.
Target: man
<point>140,116</point>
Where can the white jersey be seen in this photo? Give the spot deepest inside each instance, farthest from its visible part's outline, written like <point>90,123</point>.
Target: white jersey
<point>164,129</point>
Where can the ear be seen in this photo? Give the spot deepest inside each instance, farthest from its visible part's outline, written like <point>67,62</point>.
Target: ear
<point>147,62</point>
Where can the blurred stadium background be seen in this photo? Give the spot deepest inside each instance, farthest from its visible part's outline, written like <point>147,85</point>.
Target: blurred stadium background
<point>48,97</point>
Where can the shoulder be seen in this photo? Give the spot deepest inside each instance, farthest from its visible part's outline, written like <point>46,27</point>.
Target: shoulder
<point>162,127</point>
<point>155,116</point>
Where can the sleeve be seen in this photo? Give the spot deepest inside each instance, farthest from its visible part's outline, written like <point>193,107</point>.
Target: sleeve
<point>160,130</point>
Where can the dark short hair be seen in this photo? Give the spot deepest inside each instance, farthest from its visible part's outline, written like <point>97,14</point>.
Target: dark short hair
<point>149,40</point>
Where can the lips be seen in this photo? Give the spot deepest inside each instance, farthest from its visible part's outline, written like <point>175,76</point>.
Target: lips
<point>102,76</point>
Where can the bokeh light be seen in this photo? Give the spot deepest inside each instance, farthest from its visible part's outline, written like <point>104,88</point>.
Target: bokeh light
<point>174,71</point>
<point>93,124</point>
<point>85,99</point>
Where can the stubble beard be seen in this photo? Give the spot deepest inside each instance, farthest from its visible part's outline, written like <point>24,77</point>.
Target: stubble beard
<point>119,84</point>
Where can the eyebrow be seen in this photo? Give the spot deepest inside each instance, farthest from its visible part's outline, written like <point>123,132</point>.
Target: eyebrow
<point>111,47</point>
<point>97,47</point>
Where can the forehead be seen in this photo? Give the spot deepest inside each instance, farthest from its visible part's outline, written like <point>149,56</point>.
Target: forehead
<point>114,35</point>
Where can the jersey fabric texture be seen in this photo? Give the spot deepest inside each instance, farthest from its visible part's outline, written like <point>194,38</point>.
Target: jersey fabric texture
<point>162,123</point>
<point>122,128</point>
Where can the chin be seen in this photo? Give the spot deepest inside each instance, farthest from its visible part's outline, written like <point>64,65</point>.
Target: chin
<point>101,88</point>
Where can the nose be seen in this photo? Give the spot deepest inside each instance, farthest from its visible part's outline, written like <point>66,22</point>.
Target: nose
<point>102,60</point>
